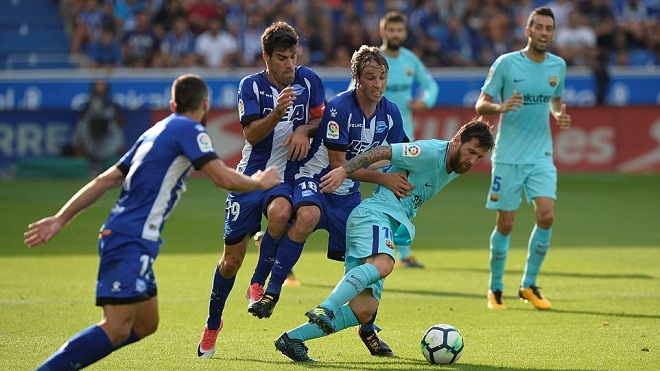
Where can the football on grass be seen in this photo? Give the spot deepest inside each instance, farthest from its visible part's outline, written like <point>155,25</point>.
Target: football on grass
<point>442,344</point>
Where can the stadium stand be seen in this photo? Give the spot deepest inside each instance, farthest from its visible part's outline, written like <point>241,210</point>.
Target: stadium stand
<point>32,35</point>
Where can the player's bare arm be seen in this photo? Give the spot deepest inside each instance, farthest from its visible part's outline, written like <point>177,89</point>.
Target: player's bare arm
<point>558,110</point>
<point>332,180</point>
<point>486,106</point>
<point>259,129</point>
<point>45,229</point>
<point>231,180</point>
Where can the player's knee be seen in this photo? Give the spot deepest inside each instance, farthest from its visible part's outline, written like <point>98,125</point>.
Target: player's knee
<point>229,265</point>
<point>545,219</point>
<point>307,218</point>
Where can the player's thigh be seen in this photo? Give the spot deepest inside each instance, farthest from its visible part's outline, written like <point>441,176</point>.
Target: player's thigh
<point>505,187</point>
<point>125,273</point>
<point>541,181</point>
<point>369,232</point>
<point>334,219</point>
<point>243,211</point>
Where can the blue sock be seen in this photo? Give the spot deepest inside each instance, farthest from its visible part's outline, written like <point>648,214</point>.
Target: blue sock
<point>539,242</point>
<point>352,284</point>
<point>403,250</point>
<point>84,348</point>
<point>499,246</point>
<point>287,256</point>
<point>267,252</point>
<point>370,326</point>
<point>132,338</point>
<point>219,293</point>
<point>344,318</point>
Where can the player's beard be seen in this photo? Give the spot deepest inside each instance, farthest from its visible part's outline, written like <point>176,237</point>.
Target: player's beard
<point>394,44</point>
<point>457,166</point>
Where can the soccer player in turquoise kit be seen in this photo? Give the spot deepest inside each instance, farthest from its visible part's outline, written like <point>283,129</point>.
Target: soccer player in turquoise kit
<point>530,83</point>
<point>370,240</point>
<point>406,69</point>
<point>153,175</point>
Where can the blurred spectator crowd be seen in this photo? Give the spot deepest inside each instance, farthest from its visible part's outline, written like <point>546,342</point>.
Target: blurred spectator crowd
<point>444,33</point>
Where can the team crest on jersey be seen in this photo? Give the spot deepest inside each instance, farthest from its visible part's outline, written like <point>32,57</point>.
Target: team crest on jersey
<point>333,130</point>
<point>381,126</point>
<point>409,71</point>
<point>411,150</point>
<point>204,142</point>
<point>553,81</point>
<point>241,108</point>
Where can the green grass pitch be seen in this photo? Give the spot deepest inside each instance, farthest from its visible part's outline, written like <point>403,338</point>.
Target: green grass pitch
<point>602,275</point>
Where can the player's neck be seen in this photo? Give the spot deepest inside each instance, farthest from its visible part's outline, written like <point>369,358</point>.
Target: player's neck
<point>532,54</point>
<point>366,105</point>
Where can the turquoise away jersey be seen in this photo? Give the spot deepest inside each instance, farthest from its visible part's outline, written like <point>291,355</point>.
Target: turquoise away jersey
<point>524,137</point>
<point>405,70</point>
<point>425,162</point>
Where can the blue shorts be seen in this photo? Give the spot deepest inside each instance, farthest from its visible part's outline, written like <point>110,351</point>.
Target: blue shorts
<point>369,233</point>
<point>334,212</point>
<point>125,269</point>
<point>508,181</point>
<point>243,211</point>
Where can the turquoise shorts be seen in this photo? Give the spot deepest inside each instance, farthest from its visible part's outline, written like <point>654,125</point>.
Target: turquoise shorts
<point>508,181</point>
<point>369,233</point>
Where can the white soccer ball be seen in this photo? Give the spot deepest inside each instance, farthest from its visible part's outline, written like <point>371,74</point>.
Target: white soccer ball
<point>442,344</point>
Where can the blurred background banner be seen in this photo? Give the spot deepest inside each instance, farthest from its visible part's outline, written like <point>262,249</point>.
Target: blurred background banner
<point>68,90</point>
<point>601,139</point>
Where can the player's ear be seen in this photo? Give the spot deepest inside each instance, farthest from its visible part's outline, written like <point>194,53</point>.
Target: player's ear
<point>172,105</point>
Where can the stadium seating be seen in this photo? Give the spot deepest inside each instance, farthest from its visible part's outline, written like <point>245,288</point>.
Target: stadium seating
<point>32,35</point>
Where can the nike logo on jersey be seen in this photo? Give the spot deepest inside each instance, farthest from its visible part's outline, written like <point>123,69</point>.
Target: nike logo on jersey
<point>427,184</point>
<point>518,80</point>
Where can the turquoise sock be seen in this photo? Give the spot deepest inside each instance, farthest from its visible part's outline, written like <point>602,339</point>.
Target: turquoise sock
<point>344,318</point>
<point>403,251</point>
<point>353,283</point>
<point>539,242</point>
<point>499,245</point>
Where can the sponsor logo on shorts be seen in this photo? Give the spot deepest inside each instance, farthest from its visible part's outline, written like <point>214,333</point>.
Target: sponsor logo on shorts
<point>116,286</point>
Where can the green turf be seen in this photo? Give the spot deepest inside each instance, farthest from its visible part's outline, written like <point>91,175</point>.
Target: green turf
<point>602,275</point>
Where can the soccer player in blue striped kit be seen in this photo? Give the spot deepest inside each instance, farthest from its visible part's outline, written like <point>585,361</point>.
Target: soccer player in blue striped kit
<point>370,235</point>
<point>280,109</point>
<point>354,121</point>
<point>153,175</point>
<point>529,83</point>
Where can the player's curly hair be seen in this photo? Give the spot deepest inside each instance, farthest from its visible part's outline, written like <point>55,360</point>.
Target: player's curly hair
<point>279,36</point>
<point>188,92</point>
<point>363,56</point>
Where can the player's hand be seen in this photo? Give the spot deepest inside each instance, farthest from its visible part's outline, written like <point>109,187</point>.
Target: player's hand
<point>417,105</point>
<point>398,184</point>
<point>299,143</point>
<point>563,119</point>
<point>512,104</point>
<point>268,178</point>
<point>42,231</point>
<point>284,100</point>
<point>332,180</point>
